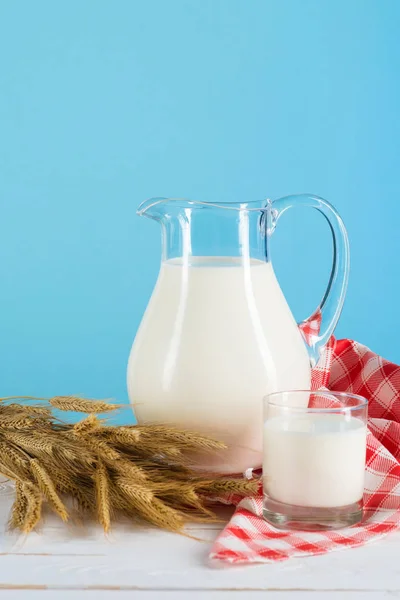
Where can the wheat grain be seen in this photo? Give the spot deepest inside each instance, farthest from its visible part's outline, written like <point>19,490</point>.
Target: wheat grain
<point>40,411</point>
<point>88,425</point>
<point>189,440</point>
<point>30,442</point>
<point>17,422</point>
<point>47,487</point>
<point>76,404</point>
<point>73,457</point>
<point>15,459</point>
<point>120,435</point>
<point>25,409</point>
<point>102,496</point>
<point>128,468</point>
<point>18,512</point>
<point>150,508</point>
<point>223,486</point>
<point>102,449</point>
<point>33,509</point>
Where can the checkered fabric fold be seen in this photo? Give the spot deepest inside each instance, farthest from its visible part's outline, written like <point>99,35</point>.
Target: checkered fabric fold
<point>349,367</point>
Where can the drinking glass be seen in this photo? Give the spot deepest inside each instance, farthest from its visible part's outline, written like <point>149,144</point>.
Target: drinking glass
<point>314,449</point>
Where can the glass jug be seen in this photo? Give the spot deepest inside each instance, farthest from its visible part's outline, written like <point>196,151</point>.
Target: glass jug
<point>218,334</point>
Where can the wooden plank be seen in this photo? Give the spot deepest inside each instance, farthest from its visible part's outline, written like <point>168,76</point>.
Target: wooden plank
<point>69,558</point>
<point>155,560</point>
<point>183,595</point>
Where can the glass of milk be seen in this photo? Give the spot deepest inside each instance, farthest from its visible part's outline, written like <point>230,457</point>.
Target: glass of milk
<point>314,450</point>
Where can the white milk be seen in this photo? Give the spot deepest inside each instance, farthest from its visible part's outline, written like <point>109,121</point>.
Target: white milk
<point>216,337</point>
<point>315,460</point>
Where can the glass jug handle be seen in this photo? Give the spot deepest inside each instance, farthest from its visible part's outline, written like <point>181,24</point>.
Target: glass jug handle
<point>328,312</point>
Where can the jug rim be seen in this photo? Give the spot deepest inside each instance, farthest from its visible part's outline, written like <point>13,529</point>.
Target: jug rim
<point>251,205</point>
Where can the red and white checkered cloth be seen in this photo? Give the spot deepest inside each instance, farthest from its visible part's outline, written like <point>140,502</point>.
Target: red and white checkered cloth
<point>345,366</point>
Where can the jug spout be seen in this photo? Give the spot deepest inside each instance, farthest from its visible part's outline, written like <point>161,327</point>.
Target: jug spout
<point>156,208</point>
<point>153,208</point>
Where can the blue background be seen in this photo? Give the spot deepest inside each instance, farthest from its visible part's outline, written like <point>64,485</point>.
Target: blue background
<point>103,104</point>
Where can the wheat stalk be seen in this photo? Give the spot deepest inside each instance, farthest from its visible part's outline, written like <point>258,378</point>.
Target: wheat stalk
<point>18,512</point>
<point>75,404</point>
<point>102,485</point>
<point>143,472</point>
<point>33,507</point>
<point>48,489</point>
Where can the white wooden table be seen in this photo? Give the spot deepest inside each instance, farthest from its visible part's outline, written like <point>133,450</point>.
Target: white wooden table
<point>66,563</point>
